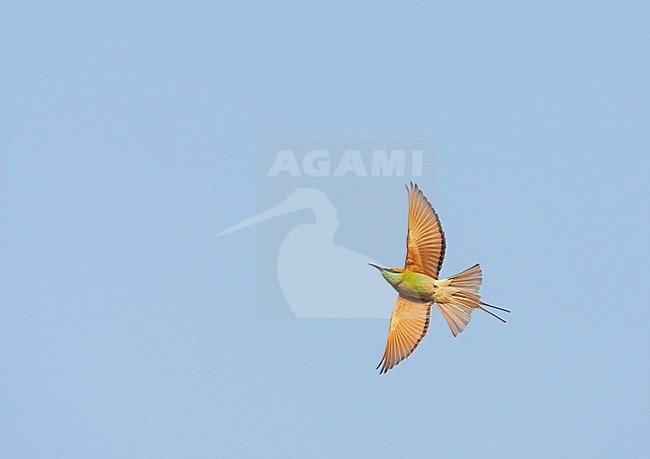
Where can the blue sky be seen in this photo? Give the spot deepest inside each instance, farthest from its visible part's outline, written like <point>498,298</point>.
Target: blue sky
<point>128,135</point>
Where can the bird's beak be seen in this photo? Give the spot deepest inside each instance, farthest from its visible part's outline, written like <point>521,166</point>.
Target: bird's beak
<point>280,209</point>
<point>378,267</point>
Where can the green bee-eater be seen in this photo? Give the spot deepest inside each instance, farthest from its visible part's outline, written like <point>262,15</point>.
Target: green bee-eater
<point>418,285</point>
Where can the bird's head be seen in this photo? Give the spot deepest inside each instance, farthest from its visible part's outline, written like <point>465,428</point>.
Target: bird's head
<point>392,275</point>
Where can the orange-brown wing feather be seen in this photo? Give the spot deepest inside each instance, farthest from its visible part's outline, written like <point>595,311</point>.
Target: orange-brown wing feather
<point>425,240</point>
<point>408,325</point>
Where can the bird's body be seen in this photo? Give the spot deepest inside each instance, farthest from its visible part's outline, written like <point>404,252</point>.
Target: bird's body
<point>418,286</point>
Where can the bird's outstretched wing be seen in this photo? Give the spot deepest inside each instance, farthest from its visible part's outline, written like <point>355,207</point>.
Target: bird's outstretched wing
<point>425,240</point>
<point>408,325</point>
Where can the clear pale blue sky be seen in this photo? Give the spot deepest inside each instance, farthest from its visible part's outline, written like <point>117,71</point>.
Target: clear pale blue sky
<point>127,140</point>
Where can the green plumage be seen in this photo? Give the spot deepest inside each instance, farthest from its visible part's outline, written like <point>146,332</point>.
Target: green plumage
<point>411,285</point>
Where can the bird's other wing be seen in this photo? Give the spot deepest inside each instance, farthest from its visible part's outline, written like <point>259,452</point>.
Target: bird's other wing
<point>425,240</point>
<point>408,325</point>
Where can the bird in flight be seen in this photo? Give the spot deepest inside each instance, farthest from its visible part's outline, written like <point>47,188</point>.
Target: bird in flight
<point>418,286</point>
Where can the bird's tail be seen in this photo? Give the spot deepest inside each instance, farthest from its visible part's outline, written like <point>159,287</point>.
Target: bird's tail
<point>464,299</point>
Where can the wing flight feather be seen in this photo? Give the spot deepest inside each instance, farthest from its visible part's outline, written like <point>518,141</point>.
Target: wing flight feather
<point>425,239</point>
<point>408,325</point>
